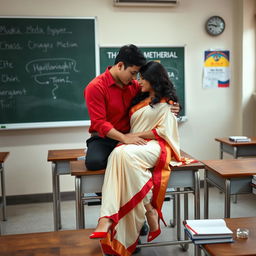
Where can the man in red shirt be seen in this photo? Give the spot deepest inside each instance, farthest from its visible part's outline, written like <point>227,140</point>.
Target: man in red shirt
<point>108,98</point>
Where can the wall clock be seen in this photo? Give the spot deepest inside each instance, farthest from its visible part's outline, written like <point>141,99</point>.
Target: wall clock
<point>215,25</point>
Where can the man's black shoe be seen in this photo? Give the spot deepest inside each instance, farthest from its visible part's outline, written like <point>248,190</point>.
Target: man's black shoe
<point>144,230</point>
<point>137,249</point>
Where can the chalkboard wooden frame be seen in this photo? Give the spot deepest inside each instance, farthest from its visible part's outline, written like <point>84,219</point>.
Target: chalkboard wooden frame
<point>95,60</point>
<point>104,63</point>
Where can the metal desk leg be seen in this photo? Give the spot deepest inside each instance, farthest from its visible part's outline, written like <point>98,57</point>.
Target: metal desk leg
<point>3,192</point>
<point>235,154</point>
<point>174,211</point>
<point>197,194</point>
<point>221,150</point>
<point>197,251</point>
<point>174,220</point>
<point>206,196</point>
<point>55,192</point>
<point>58,200</point>
<point>185,246</point>
<point>178,215</point>
<point>79,206</point>
<point>227,199</point>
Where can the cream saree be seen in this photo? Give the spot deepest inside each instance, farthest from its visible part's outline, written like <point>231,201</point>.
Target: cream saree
<point>129,184</point>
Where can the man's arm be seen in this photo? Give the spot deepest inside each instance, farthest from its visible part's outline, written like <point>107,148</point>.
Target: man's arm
<point>175,108</point>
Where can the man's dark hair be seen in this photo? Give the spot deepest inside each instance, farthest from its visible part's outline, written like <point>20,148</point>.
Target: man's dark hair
<point>130,55</point>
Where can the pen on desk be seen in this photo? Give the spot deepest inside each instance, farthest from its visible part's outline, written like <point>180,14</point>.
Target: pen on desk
<point>191,229</point>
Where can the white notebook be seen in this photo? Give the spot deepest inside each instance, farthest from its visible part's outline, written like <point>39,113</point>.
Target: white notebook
<point>207,227</point>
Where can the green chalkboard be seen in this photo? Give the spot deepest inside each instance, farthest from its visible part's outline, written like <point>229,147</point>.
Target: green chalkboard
<point>45,64</point>
<point>173,59</point>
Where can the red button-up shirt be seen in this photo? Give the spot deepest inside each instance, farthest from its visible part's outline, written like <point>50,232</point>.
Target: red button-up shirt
<point>108,104</point>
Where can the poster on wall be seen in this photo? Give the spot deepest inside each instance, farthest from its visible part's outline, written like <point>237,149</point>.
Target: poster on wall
<point>216,69</point>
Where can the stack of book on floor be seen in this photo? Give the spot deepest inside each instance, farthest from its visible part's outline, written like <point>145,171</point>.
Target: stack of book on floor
<point>208,231</point>
<point>239,139</point>
<point>254,184</point>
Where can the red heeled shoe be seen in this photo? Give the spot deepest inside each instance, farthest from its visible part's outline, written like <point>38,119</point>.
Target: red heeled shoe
<point>153,234</point>
<point>98,235</point>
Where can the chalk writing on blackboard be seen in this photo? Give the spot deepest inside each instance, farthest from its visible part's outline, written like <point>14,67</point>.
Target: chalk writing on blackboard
<point>45,63</point>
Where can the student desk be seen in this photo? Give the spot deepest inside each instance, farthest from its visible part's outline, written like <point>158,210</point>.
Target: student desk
<point>237,149</point>
<point>3,157</point>
<point>232,176</point>
<point>186,177</point>
<point>240,246</point>
<point>60,166</point>
<point>62,243</point>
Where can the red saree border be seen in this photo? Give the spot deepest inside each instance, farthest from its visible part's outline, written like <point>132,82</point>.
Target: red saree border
<point>116,248</point>
<point>161,174</point>
<point>146,103</point>
<point>109,242</point>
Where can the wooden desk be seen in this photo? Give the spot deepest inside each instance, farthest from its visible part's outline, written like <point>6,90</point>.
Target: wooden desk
<point>60,166</point>
<point>240,246</point>
<point>232,176</point>
<point>237,149</point>
<point>62,243</point>
<point>3,157</point>
<point>186,177</point>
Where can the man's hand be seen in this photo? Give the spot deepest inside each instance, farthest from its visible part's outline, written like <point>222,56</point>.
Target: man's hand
<point>130,138</point>
<point>175,108</point>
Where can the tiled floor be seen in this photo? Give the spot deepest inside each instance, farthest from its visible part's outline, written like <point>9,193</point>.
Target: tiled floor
<point>31,218</point>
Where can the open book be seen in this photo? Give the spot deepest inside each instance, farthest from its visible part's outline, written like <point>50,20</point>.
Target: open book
<point>207,229</point>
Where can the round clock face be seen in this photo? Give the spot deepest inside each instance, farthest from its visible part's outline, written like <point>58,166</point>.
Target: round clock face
<point>215,25</point>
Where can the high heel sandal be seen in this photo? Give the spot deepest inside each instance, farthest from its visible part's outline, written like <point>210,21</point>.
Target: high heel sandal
<point>100,235</point>
<point>153,234</point>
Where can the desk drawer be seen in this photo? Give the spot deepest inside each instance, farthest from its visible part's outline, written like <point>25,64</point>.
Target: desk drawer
<point>91,184</point>
<point>181,179</point>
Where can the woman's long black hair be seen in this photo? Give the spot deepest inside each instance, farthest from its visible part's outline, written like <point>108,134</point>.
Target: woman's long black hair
<point>157,76</point>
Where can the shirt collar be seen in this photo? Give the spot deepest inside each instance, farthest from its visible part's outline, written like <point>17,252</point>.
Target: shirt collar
<point>110,79</point>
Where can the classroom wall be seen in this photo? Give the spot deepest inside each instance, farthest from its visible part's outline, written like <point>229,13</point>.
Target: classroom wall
<point>211,112</point>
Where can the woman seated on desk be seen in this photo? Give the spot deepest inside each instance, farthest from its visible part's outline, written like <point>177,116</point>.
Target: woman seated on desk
<point>130,190</point>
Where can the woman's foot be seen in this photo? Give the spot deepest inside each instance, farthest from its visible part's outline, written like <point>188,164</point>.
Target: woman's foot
<point>153,222</point>
<point>102,228</point>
